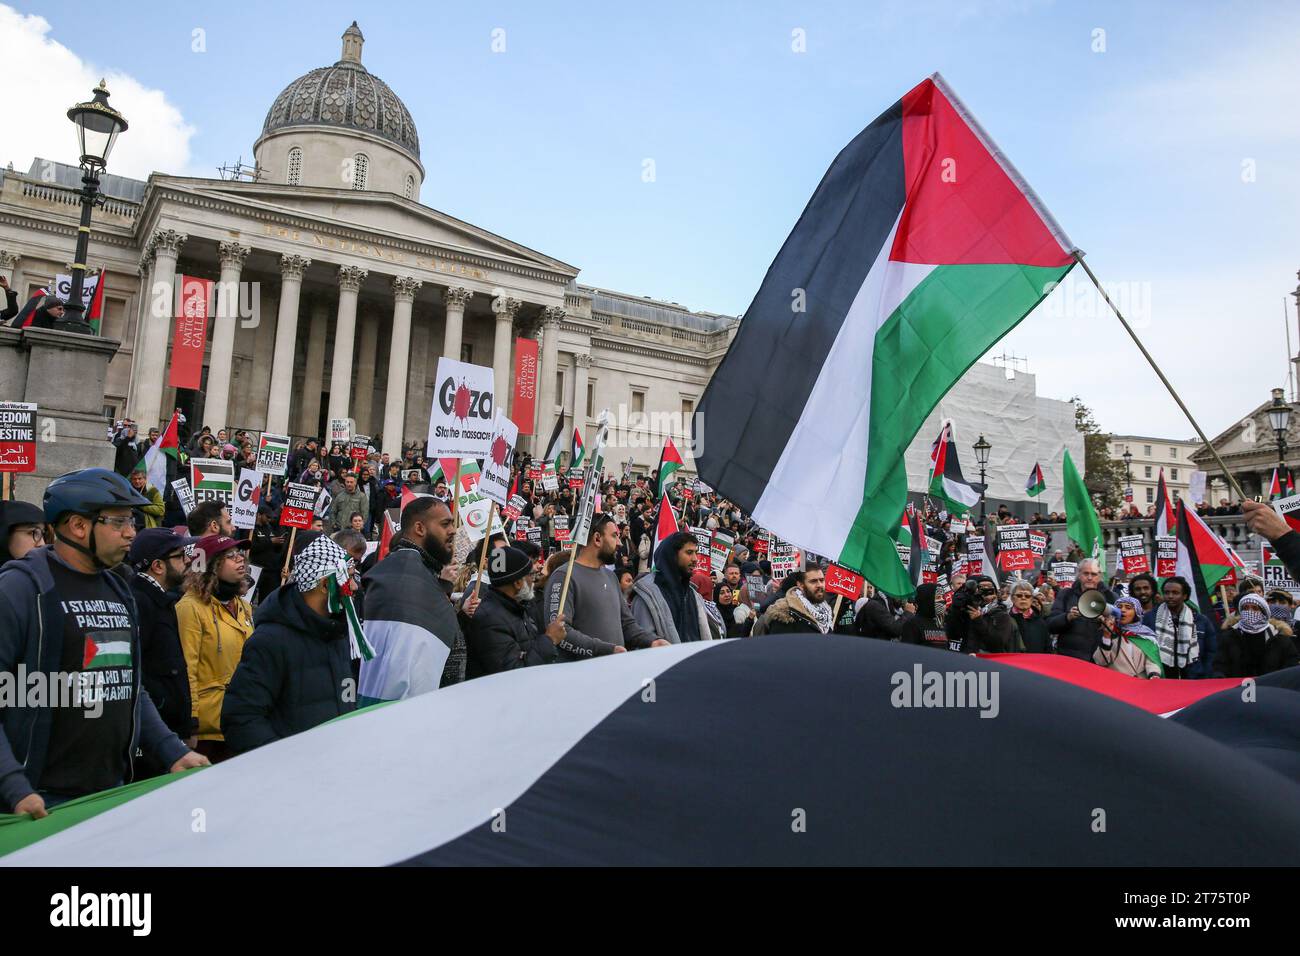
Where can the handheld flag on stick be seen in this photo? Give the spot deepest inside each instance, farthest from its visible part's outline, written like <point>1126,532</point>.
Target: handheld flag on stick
<point>167,446</point>
<point>946,480</point>
<point>579,451</point>
<point>95,312</point>
<point>1166,520</point>
<point>1203,559</point>
<point>669,462</point>
<point>916,273</point>
<point>1275,487</point>
<point>1035,486</point>
<point>1081,522</point>
<point>553,445</point>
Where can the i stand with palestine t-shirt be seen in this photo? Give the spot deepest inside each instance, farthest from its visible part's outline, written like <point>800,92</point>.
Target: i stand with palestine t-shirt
<point>87,753</point>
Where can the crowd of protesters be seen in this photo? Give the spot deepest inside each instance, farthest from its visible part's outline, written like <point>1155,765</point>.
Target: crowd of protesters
<point>193,642</point>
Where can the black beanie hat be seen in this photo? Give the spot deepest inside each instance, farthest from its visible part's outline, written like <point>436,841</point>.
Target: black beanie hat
<point>518,565</point>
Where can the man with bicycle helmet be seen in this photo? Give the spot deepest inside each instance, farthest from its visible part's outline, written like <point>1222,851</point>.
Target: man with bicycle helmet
<point>71,626</point>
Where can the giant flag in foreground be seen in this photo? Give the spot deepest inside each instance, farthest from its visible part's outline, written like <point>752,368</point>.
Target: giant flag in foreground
<point>921,247</point>
<point>847,732</point>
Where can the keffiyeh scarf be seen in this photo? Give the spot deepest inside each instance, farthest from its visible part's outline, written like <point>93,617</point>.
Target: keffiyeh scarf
<point>325,559</point>
<point>819,612</point>
<point>1179,645</point>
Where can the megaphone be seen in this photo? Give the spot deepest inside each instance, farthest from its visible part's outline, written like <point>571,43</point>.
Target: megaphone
<point>1092,604</point>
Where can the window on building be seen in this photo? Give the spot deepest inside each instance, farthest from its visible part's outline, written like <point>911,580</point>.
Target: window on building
<point>360,167</point>
<point>294,177</point>
<point>1151,495</point>
<point>1146,471</point>
<point>467,352</point>
<point>591,399</point>
<point>638,401</point>
<point>409,190</point>
<point>688,409</point>
<point>1146,450</point>
<point>1173,473</point>
<point>1173,452</point>
<point>559,388</point>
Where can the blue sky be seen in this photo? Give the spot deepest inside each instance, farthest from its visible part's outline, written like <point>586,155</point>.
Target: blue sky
<point>1170,157</point>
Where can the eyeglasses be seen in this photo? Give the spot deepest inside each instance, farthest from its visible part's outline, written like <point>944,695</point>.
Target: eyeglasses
<point>117,523</point>
<point>38,534</point>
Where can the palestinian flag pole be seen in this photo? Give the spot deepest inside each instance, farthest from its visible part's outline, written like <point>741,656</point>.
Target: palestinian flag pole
<point>1166,520</point>
<point>921,248</point>
<point>946,480</point>
<point>665,525</point>
<point>1203,559</point>
<point>579,450</point>
<point>167,446</point>
<point>1035,486</point>
<point>1081,522</point>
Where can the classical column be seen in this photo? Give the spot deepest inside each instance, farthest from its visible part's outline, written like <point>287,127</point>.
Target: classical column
<point>259,387</point>
<point>367,347</point>
<point>454,300</point>
<point>286,339</point>
<point>313,372</point>
<point>345,333</point>
<point>135,331</point>
<point>223,334</point>
<point>145,405</point>
<point>8,263</point>
<point>505,308</point>
<point>546,396</point>
<point>399,354</point>
<point>581,362</point>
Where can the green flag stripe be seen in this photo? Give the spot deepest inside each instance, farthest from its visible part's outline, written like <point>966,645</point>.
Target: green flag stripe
<point>940,330</point>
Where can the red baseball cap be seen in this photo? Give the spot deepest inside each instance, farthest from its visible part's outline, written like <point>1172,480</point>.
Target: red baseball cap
<point>214,544</point>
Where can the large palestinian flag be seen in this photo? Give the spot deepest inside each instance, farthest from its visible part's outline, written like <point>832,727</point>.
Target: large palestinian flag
<point>946,480</point>
<point>458,778</point>
<point>921,247</point>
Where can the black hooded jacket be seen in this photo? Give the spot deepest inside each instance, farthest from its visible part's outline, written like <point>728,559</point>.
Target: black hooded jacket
<point>677,592</point>
<point>295,673</point>
<point>13,513</point>
<point>503,634</point>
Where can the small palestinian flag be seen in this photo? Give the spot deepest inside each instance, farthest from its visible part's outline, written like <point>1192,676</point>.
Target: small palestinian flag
<point>1275,487</point>
<point>553,446</point>
<point>1290,482</point>
<point>579,450</point>
<point>1203,558</point>
<point>166,447</point>
<point>95,312</point>
<point>108,649</point>
<point>665,524</point>
<point>1035,486</point>
<point>1166,521</point>
<point>669,462</point>
<point>921,247</point>
<point>212,478</point>
<point>911,536</point>
<point>946,480</point>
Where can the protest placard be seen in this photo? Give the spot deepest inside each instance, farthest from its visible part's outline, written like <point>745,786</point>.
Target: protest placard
<point>1014,553</point>
<point>360,448</point>
<point>843,581</point>
<point>560,527</point>
<point>720,549</point>
<point>184,495</point>
<point>212,479</point>
<point>340,431</point>
<point>17,437</point>
<point>495,480</point>
<point>272,454</point>
<point>248,495</point>
<point>299,505</point>
<point>1166,556</point>
<point>1064,572</point>
<point>1275,574</point>
<point>514,508</point>
<point>463,411</point>
<point>1133,554</point>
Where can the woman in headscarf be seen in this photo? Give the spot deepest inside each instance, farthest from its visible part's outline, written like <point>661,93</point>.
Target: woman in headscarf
<point>1256,644</point>
<point>1125,644</point>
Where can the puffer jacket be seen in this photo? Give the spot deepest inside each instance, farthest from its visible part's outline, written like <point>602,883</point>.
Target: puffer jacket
<point>1249,655</point>
<point>786,616</point>
<point>503,635</point>
<point>295,673</point>
<point>213,641</point>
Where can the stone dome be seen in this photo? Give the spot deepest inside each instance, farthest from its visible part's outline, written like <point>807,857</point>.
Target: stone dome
<point>345,96</point>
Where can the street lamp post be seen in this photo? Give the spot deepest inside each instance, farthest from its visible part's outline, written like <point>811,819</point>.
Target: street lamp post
<point>1279,416</point>
<point>98,126</point>
<point>1128,474</point>
<point>982,448</point>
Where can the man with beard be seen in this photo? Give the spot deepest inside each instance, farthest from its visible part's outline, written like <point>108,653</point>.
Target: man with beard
<point>502,634</point>
<point>599,622</point>
<point>1143,587</point>
<point>410,621</point>
<point>664,601</point>
<point>802,609</point>
<point>158,557</point>
<point>296,670</point>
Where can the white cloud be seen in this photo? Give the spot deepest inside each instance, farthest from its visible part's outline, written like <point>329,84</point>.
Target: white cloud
<point>51,78</point>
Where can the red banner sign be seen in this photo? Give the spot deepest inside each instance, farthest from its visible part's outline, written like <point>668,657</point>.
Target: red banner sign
<point>299,505</point>
<point>191,332</point>
<point>843,581</point>
<point>525,404</point>
<point>17,436</point>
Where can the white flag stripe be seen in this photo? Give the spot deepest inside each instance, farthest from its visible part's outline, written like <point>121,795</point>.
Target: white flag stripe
<point>436,766</point>
<point>836,420</point>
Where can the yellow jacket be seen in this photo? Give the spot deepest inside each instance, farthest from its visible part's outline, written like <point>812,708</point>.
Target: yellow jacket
<point>213,641</point>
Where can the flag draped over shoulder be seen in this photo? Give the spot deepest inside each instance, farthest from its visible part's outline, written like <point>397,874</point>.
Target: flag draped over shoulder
<point>1081,522</point>
<point>920,249</point>
<point>946,480</point>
